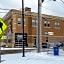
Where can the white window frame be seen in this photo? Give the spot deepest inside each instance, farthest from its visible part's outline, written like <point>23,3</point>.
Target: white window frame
<point>35,21</point>
<point>46,22</point>
<point>21,21</point>
<point>57,25</point>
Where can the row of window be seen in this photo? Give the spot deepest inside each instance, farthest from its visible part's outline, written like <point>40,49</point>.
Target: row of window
<point>35,22</point>
<point>47,24</point>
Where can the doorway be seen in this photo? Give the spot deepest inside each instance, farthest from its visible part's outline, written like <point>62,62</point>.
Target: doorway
<point>18,40</point>
<point>35,39</point>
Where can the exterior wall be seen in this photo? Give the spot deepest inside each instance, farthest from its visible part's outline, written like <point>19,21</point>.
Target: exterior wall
<point>58,34</point>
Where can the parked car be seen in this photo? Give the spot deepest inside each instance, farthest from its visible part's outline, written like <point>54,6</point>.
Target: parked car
<point>60,45</point>
<point>45,45</point>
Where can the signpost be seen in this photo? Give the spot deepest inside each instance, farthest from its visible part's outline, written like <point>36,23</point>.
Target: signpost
<point>3,27</point>
<point>1,37</point>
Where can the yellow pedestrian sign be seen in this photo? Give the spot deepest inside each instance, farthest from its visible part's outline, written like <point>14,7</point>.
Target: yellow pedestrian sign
<point>1,37</point>
<point>3,26</point>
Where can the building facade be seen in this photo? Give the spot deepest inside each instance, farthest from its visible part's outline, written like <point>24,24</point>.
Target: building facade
<point>52,28</point>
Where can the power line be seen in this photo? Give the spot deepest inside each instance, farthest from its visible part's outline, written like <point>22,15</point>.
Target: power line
<point>51,10</point>
<point>47,8</point>
<point>47,1</point>
<point>4,9</point>
<point>62,1</point>
<point>3,12</point>
<point>43,2</point>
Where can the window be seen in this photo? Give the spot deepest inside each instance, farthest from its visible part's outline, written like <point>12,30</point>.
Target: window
<point>57,24</point>
<point>47,23</point>
<point>20,21</point>
<point>24,22</point>
<point>9,41</point>
<point>34,22</point>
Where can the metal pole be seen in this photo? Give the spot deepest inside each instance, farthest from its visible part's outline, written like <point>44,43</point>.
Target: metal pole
<point>0,51</point>
<point>23,25</point>
<point>39,26</point>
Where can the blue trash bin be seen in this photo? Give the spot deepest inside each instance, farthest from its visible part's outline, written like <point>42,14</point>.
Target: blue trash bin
<point>56,50</point>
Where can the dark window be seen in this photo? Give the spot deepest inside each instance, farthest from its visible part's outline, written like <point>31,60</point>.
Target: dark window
<point>9,40</point>
<point>46,23</point>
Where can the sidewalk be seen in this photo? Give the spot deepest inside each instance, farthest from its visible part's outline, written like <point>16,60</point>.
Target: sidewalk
<point>33,58</point>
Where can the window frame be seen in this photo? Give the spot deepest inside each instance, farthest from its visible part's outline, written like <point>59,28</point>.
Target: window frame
<point>21,22</point>
<point>46,23</point>
<point>57,24</point>
<point>35,22</point>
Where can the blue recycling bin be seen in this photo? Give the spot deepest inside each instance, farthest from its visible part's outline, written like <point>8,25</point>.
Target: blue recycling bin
<point>56,50</point>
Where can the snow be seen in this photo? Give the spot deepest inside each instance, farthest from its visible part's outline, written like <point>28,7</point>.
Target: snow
<point>33,58</point>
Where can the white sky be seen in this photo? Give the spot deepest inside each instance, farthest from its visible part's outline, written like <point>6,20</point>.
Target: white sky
<point>48,6</point>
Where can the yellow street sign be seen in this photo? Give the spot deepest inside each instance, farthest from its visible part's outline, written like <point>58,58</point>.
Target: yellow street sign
<point>1,37</point>
<point>3,26</point>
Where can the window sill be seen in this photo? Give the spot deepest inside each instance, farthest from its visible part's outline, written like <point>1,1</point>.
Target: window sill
<point>47,27</point>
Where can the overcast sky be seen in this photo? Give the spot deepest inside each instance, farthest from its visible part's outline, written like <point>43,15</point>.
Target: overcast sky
<point>49,7</point>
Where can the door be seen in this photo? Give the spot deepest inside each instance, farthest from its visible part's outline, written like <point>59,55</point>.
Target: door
<point>35,42</point>
<point>18,39</point>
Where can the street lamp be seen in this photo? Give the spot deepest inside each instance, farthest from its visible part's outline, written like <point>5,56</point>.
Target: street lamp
<point>23,26</point>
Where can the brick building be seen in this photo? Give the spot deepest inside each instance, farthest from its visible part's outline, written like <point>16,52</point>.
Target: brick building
<point>52,28</point>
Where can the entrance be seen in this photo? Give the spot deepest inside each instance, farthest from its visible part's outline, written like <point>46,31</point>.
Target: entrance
<point>18,39</point>
<point>35,42</point>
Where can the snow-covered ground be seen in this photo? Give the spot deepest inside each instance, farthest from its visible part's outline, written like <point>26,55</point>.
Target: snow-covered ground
<point>15,48</point>
<point>33,58</point>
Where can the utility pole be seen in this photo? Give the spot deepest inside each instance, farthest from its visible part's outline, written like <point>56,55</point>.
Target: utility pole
<point>39,32</point>
<point>39,27</point>
<point>23,26</point>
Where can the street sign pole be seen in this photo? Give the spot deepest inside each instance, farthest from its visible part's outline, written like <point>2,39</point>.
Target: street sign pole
<point>3,26</point>
<point>0,47</point>
<point>0,51</point>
